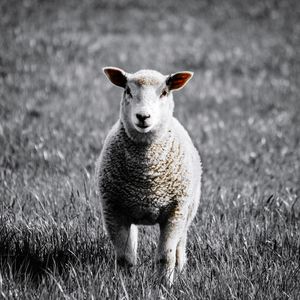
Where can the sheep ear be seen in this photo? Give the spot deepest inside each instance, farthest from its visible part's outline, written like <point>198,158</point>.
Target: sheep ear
<point>178,80</point>
<point>116,76</point>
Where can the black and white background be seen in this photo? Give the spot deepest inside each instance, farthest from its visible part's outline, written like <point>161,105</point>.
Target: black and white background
<point>242,109</point>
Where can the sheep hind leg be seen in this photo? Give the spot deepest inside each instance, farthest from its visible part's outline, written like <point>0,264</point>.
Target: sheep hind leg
<point>125,240</point>
<point>181,247</point>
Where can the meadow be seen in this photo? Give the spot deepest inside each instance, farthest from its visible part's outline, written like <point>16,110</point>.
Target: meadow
<point>242,109</point>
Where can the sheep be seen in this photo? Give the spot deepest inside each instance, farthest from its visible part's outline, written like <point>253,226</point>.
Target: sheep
<point>149,171</point>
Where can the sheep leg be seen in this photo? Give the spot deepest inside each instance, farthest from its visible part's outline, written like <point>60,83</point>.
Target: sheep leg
<point>170,234</point>
<point>125,240</point>
<point>181,252</point>
<point>181,247</point>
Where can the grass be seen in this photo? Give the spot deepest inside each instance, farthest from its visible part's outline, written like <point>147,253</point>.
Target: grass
<point>242,109</point>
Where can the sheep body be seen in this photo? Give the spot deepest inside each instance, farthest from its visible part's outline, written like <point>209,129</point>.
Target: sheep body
<point>145,183</point>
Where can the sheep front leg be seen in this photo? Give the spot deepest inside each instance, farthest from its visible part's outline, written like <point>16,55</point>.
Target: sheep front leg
<point>125,240</point>
<point>170,235</point>
<point>181,252</point>
<point>126,244</point>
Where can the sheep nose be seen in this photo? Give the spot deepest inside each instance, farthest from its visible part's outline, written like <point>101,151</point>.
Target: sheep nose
<point>143,117</point>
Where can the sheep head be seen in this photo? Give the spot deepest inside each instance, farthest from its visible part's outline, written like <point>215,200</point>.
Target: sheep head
<point>147,103</point>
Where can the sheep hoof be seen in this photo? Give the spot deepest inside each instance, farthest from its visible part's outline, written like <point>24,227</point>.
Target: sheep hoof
<point>123,262</point>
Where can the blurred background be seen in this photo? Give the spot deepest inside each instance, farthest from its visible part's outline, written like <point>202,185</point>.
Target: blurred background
<point>242,107</point>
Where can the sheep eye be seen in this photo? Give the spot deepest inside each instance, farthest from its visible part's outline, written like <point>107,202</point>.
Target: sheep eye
<point>128,92</point>
<point>163,93</point>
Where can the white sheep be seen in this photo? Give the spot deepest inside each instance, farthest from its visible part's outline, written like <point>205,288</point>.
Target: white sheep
<point>149,171</point>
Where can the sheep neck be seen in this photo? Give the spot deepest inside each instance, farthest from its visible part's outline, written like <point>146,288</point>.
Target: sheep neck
<point>148,153</point>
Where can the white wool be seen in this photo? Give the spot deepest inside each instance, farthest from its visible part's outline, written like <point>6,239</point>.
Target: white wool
<point>149,177</point>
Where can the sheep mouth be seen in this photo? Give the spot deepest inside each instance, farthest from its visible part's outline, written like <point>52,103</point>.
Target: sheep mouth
<point>143,128</point>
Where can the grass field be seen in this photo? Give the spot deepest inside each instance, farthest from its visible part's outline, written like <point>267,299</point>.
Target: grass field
<point>242,109</point>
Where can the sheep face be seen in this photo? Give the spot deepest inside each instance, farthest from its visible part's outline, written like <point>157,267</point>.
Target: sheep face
<point>146,107</point>
<point>147,103</point>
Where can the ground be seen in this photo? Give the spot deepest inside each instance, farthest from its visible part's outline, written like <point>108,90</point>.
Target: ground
<point>242,109</point>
